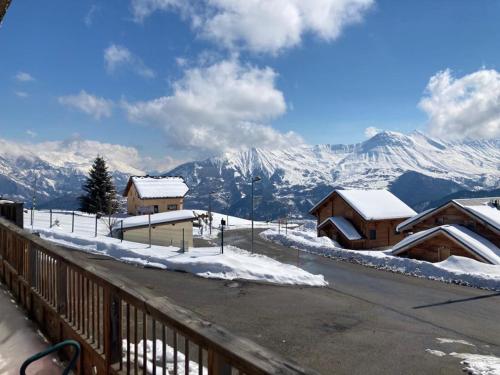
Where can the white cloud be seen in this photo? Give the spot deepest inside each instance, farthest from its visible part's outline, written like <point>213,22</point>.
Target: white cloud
<point>89,17</point>
<point>371,131</point>
<point>221,107</point>
<point>21,94</point>
<point>116,56</point>
<point>31,133</point>
<point>24,77</point>
<point>79,153</point>
<point>463,107</point>
<point>92,105</point>
<point>262,25</point>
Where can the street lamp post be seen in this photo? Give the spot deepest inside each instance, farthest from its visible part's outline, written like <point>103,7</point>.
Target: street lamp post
<point>254,180</point>
<point>210,211</point>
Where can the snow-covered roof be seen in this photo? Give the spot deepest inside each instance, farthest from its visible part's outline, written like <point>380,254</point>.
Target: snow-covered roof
<point>376,204</point>
<point>344,226</point>
<point>480,208</point>
<point>372,204</point>
<point>468,239</point>
<point>158,187</point>
<point>160,218</point>
<point>486,211</point>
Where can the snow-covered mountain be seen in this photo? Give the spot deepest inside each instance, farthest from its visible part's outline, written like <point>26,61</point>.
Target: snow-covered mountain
<point>59,169</point>
<point>415,166</point>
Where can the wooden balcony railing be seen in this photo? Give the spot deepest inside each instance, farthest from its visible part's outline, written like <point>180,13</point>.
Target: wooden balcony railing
<point>117,321</point>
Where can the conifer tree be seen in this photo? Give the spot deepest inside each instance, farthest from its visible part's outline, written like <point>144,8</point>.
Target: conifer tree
<point>99,190</point>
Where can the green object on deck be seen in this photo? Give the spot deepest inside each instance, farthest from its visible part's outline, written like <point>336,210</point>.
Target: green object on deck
<point>53,349</point>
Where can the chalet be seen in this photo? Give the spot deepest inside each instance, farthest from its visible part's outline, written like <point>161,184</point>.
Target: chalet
<point>462,227</point>
<point>174,228</point>
<point>361,219</point>
<point>149,195</point>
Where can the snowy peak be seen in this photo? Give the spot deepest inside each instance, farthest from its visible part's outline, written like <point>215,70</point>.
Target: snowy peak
<point>293,178</point>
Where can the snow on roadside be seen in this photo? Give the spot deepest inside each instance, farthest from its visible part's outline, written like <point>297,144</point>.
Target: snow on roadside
<point>455,269</point>
<point>206,262</point>
<point>478,364</point>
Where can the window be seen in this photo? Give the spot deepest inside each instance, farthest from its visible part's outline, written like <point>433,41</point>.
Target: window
<point>155,209</point>
<point>172,207</point>
<point>373,234</point>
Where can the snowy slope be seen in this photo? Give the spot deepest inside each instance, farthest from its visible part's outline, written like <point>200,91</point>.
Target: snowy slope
<point>295,178</point>
<point>59,169</point>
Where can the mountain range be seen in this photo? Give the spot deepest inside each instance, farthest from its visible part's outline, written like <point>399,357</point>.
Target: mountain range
<point>417,168</point>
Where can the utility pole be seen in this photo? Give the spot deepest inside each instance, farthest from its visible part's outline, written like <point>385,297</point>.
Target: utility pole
<point>254,180</point>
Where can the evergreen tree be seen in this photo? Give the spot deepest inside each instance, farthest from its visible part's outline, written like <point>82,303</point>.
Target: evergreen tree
<point>100,192</point>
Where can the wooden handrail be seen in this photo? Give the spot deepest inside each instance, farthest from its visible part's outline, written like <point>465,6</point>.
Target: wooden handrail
<point>86,303</point>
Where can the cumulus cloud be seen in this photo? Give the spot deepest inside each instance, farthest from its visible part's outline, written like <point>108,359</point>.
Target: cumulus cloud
<point>262,25</point>
<point>222,107</point>
<point>79,154</point>
<point>24,77</point>
<point>463,107</point>
<point>94,106</point>
<point>372,131</point>
<point>116,56</point>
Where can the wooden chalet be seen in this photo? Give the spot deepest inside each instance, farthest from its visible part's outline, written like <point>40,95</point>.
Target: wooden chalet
<point>361,219</point>
<point>462,227</point>
<point>154,194</point>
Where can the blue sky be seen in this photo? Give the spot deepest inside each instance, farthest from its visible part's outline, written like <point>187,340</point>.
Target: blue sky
<point>282,81</point>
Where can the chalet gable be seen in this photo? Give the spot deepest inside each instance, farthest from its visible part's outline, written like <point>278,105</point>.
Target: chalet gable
<point>479,210</point>
<point>370,204</point>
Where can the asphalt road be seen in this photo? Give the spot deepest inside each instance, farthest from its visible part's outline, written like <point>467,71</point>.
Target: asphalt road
<point>366,322</point>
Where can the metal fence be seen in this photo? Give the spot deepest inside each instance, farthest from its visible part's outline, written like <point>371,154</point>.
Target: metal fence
<point>116,321</point>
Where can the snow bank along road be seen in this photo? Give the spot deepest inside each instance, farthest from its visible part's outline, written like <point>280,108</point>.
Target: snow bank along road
<point>366,322</point>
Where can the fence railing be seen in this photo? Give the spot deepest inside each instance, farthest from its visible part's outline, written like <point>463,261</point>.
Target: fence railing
<point>122,327</point>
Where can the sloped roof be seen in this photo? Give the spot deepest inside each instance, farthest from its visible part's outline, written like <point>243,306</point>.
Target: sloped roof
<point>344,226</point>
<point>149,187</point>
<point>156,219</point>
<point>372,204</point>
<point>469,240</point>
<point>479,208</point>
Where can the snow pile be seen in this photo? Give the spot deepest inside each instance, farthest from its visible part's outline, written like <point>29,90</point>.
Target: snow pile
<point>455,269</point>
<point>160,187</point>
<point>474,364</point>
<point>206,262</point>
<point>478,364</point>
<point>169,358</point>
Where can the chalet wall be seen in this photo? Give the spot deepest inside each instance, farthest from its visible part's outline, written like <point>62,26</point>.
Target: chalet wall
<point>386,229</point>
<point>134,202</point>
<point>452,215</point>
<point>163,235</point>
<point>437,249</point>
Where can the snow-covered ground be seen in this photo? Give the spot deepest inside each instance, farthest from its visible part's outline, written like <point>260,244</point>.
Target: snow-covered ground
<point>472,363</point>
<point>232,222</point>
<point>454,269</point>
<point>206,262</point>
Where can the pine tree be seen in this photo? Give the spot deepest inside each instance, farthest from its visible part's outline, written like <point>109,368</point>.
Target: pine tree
<point>100,192</point>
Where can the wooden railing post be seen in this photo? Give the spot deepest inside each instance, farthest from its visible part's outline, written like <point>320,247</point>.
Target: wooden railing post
<point>62,285</point>
<point>32,269</point>
<point>216,364</point>
<point>112,328</point>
